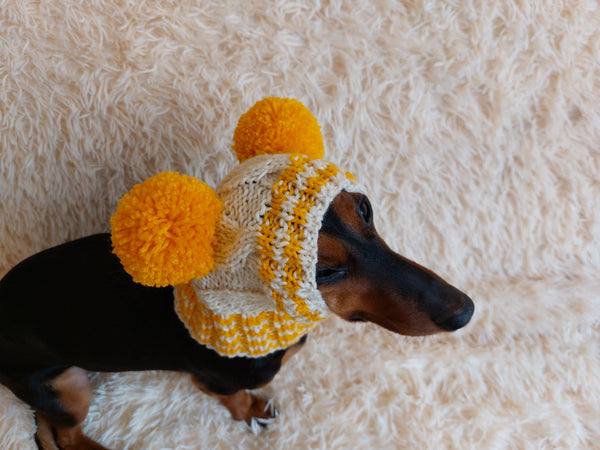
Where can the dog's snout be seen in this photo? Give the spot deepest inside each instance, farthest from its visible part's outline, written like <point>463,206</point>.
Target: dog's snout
<point>460,318</point>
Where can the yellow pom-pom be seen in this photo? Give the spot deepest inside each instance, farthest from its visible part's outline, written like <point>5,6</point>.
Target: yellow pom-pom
<point>277,125</point>
<point>163,230</point>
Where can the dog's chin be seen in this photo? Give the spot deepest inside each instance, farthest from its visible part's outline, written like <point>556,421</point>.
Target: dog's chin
<point>413,329</point>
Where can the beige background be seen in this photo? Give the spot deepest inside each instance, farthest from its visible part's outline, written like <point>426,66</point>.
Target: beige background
<point>475,126</point>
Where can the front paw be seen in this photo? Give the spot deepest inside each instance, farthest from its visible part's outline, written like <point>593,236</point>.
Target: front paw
<point>255,411</point>
<point>260,421</point>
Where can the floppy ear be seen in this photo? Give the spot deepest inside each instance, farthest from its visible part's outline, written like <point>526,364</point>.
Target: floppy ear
<point>163,230</point>
<point>277,125</point>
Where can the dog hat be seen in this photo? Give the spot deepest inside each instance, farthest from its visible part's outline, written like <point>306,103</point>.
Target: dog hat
<point>242,258</point>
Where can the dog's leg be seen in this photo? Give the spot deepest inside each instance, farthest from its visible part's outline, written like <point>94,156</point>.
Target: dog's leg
<point>44,437</point>
<point>244,405</point>
<point>72,392</point>
<point>61,398</point>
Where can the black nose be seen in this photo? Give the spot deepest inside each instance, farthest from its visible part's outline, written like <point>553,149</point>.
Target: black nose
<point>460,318</point>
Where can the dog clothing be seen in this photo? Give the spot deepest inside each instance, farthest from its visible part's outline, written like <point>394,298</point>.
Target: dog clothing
<point>245,281</point>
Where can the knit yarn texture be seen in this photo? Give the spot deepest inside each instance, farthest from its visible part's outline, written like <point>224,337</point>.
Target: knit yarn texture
<point>262,295</point>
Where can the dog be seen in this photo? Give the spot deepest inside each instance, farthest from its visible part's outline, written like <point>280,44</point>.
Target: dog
<point>72,309</point>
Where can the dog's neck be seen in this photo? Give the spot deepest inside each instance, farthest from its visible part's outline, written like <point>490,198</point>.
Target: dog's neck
<point>237,324</point>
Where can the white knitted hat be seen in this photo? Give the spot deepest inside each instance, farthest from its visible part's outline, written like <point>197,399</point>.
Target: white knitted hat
<point>261,295</point>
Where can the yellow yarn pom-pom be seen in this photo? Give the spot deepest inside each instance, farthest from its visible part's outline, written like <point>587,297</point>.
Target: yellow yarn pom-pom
<point>277,125</point>
<point>163,230</point>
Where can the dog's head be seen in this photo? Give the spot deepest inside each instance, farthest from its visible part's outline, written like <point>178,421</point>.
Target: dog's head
<point>361,279</point>
<point>284,239</point>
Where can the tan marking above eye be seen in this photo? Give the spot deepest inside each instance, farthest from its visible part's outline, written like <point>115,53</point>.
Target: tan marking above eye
<point>332,252</point>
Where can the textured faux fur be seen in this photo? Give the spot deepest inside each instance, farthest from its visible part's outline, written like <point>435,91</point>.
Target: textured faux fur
<point>475,126</point>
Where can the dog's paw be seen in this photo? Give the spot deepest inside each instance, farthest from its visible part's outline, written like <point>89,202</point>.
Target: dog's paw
<point>255,411</point>
<point>269,408</point>
<point>258,424</point>
<point>260,414</point>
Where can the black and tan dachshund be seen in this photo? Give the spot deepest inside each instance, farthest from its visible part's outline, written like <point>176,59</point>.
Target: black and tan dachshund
<point>73,308</point>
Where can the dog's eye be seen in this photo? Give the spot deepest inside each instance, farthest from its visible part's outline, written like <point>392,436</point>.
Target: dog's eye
<point>330,274</point>
<point>356,317</point>
<point>365,211</point>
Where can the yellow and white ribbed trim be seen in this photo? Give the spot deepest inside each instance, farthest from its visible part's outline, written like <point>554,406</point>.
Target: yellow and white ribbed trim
<point>289,233</point>
<point>237,334</point>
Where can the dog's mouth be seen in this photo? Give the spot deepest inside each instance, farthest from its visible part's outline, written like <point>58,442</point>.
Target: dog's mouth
<point>391,325</point>
<point>457,320</point>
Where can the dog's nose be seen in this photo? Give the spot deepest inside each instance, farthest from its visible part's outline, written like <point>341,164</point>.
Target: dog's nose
<point>460,318</point>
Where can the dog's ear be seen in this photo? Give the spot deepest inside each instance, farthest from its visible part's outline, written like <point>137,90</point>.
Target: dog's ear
<point>163,230</point>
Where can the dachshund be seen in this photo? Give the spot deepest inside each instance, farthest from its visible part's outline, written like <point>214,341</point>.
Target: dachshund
<point>72,309</point>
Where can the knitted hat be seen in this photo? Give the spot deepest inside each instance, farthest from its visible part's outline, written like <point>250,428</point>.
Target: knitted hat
<point>242,259</point>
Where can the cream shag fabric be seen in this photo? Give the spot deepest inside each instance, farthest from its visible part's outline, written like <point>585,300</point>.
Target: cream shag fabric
<point>475,126</point>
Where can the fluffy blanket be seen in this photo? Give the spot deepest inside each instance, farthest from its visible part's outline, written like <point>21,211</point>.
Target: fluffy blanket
<point>475,126</point>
